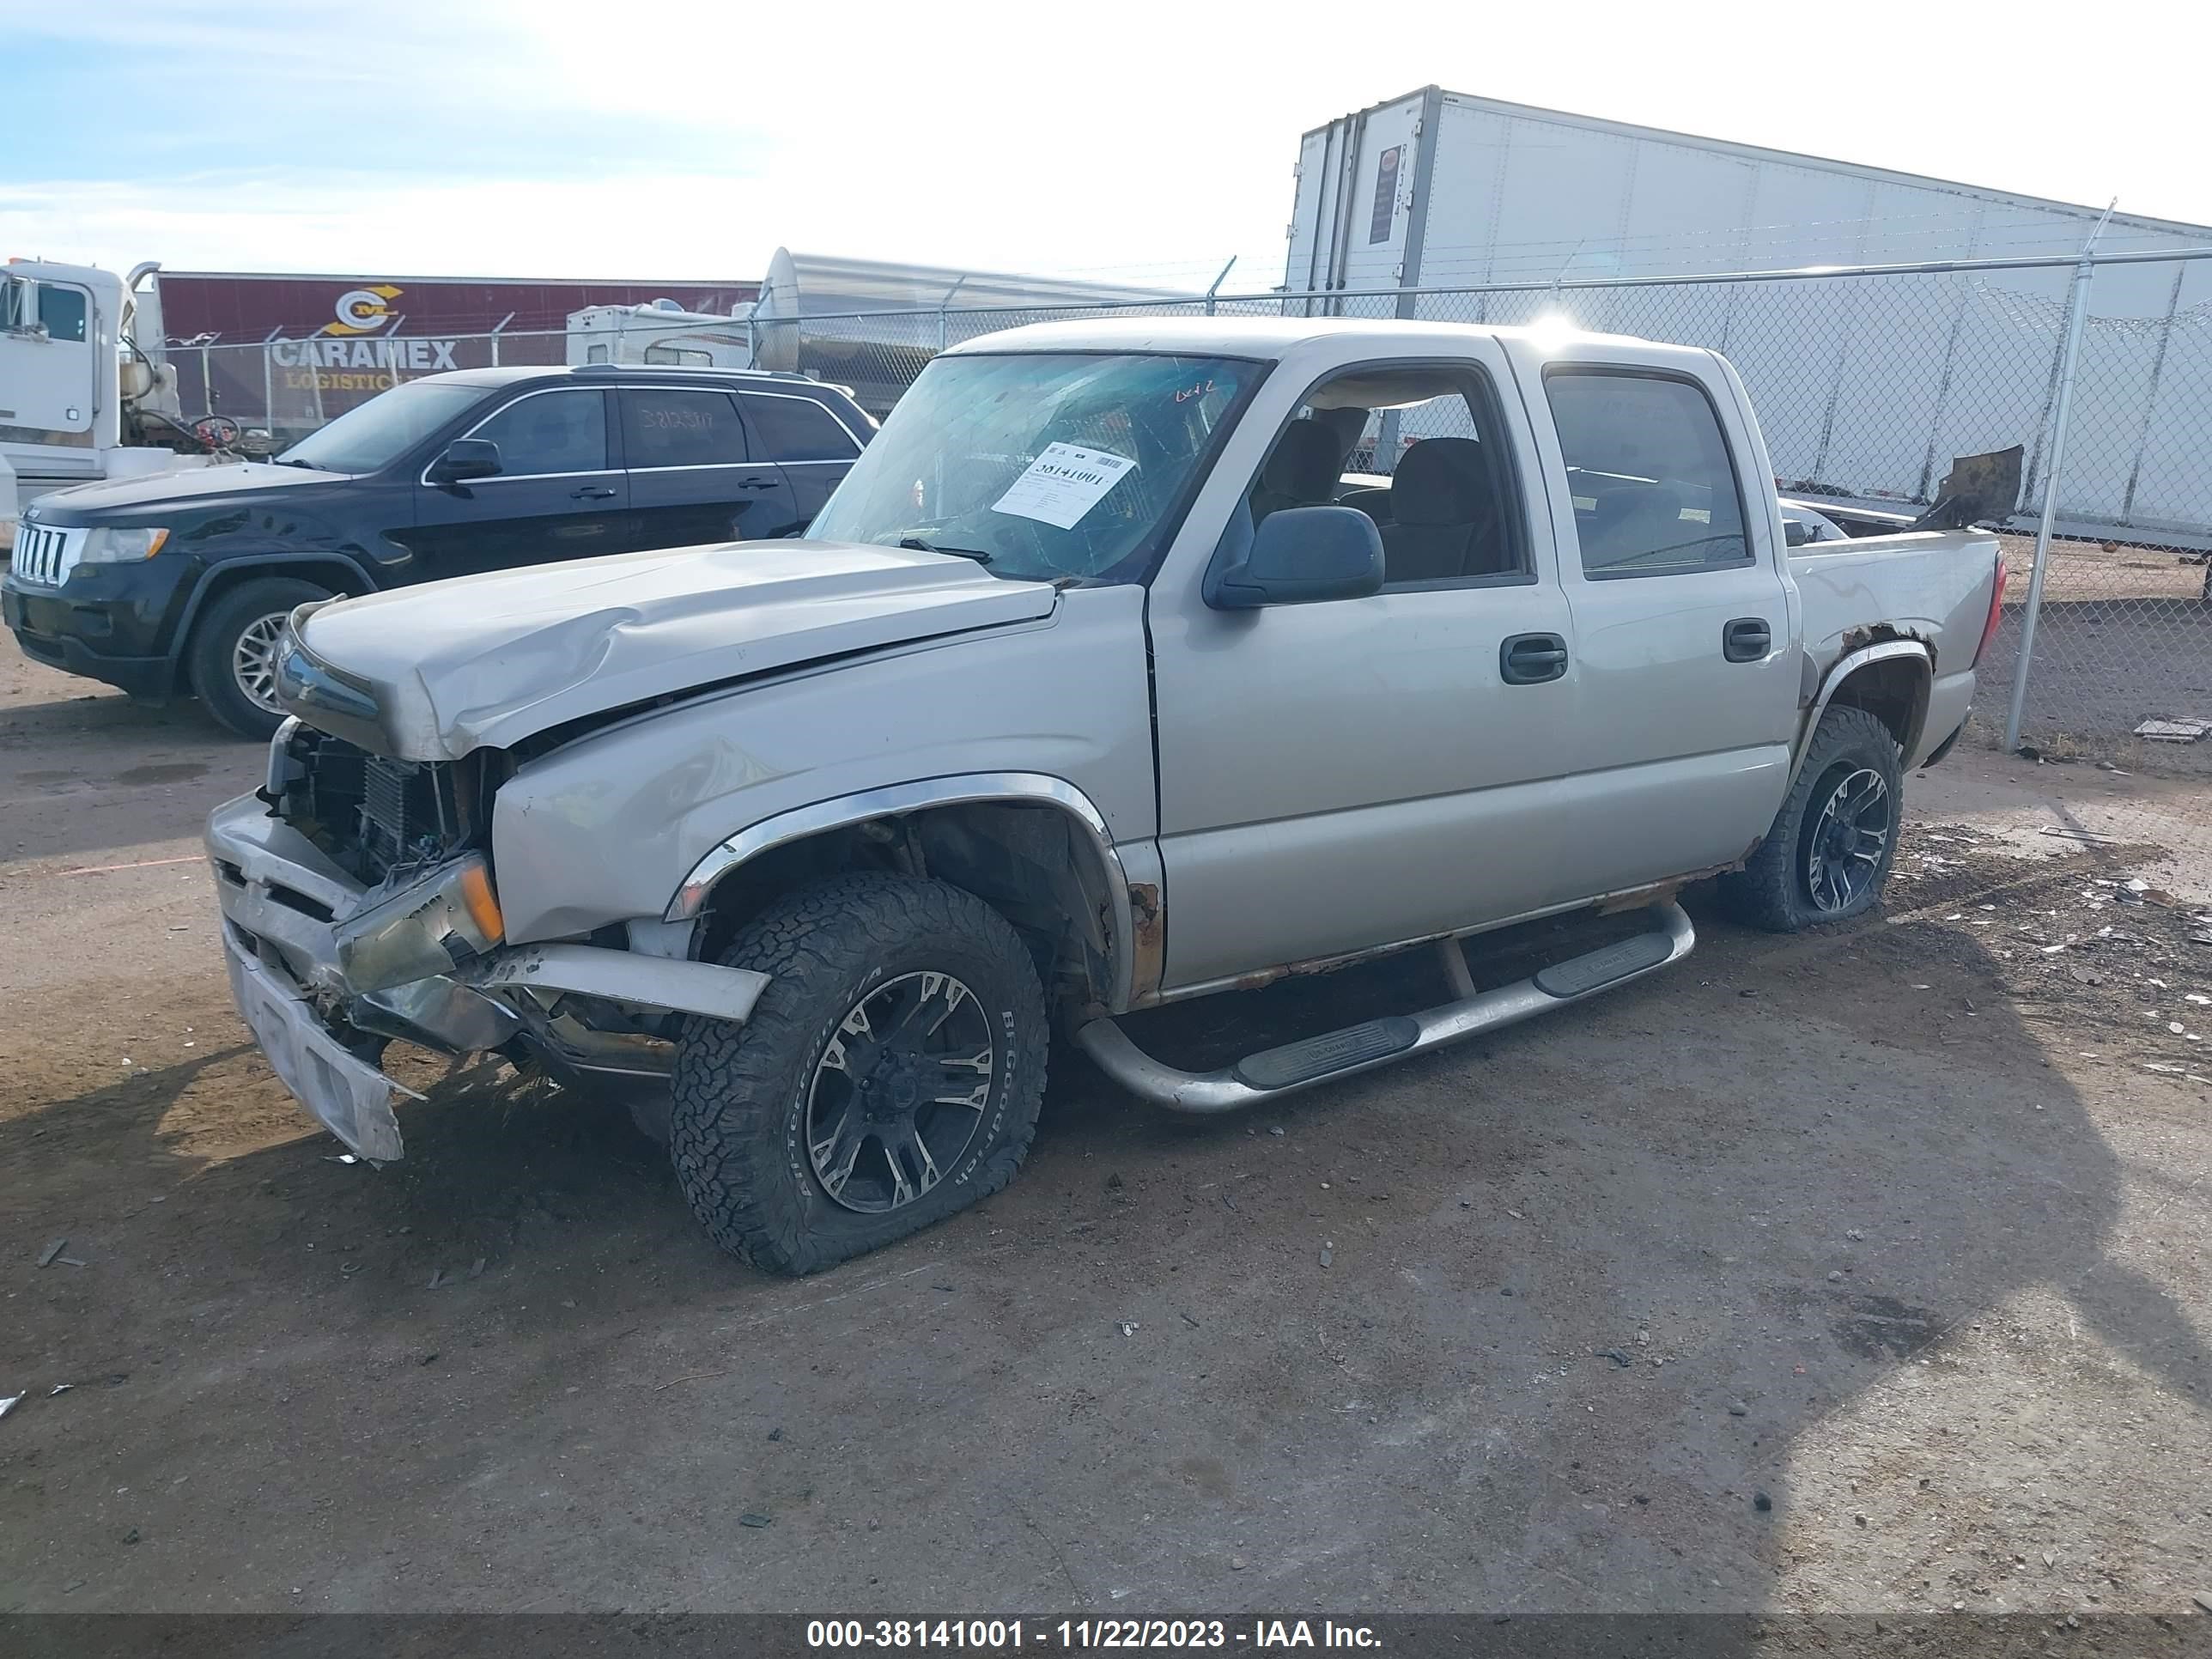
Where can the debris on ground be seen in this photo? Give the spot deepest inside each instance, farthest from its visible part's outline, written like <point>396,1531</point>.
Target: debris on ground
<point>755,1518</point>
<point>1614,1355</point>
<point>1761,1502</point>
<point>2181,730</point>
<point>8,1402</point>
<point>1328,1254</point>
<point>1130,1327</point>
<point>1737,1408</point>
<point>53,1248</point>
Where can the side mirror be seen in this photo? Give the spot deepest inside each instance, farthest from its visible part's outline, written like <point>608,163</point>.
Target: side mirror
<point>464,458</point>
<point>1303,556</point>
<point>1795,532</point>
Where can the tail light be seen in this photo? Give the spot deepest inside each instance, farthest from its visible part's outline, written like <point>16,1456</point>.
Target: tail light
<point>1996,614</point>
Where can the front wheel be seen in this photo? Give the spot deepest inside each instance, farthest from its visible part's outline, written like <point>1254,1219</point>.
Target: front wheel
<point>890,1074</point>
<point>232,656</point>
<point>1828,854</point>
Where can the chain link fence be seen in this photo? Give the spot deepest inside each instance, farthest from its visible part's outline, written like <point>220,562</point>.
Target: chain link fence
<point>1867,383</point>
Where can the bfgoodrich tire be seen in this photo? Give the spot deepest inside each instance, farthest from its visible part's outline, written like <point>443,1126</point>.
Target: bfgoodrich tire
<point>231,657</point>
<point>1828,854</point>
<point>890,1074</point>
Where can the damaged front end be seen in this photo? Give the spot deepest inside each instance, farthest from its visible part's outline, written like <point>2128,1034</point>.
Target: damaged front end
<point>359,907</point>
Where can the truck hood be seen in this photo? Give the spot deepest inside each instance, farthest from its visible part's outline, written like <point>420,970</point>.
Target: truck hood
<point>193,486</point>
<point>486,661</point>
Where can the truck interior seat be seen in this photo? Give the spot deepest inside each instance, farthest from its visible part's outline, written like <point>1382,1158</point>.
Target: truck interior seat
<point>1444,522</point>
<point>1299,471</point>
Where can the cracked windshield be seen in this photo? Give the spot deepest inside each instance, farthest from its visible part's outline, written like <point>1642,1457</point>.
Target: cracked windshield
<point>1039,465</point>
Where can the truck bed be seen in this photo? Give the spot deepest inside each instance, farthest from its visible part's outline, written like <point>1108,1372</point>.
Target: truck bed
<point>1931,585</point>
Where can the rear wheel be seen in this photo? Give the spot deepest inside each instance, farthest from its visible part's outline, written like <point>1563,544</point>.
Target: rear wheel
<point>890,1074</point>
<point>232,655</point>
<point>1828,854</point>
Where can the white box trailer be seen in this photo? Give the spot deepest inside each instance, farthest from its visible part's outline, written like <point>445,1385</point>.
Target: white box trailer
<point>1866,385</point>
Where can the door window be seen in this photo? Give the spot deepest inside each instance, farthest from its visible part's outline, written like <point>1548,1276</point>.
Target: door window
<point>667,426</point>
<point>64,311</point>
<point>549,432</point>
<point>799,429</point>
<point>1420,449</point>
<point>1654,483</point>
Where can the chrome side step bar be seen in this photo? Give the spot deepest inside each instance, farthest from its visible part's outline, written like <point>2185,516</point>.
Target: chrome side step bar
<point>1277,1072</point>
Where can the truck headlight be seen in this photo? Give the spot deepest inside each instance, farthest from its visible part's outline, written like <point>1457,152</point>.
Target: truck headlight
<point>111,546</point>
<point>430,926</point>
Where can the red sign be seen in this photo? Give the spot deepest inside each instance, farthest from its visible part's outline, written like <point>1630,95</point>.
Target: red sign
<point>248,309</point>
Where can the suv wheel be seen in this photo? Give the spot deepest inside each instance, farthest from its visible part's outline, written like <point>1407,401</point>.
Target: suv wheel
<point>1828,854</point>
<point>890,1074</point>
<point>232,655</point>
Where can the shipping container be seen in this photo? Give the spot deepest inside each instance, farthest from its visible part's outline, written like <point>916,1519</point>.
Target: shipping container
<point>1866,385</point>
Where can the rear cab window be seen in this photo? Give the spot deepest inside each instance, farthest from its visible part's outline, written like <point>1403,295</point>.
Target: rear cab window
<point>1653,479</point>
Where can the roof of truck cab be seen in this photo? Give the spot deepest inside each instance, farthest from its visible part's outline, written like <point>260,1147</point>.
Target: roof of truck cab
<point>1264,337</point>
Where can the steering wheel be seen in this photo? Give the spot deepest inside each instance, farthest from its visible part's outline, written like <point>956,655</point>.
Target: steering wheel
<point>217,431</point>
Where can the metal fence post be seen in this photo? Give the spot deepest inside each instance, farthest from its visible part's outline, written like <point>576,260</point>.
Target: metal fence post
<point>944,305</point>
<point>1217,282</point>
<point>2070,352</point>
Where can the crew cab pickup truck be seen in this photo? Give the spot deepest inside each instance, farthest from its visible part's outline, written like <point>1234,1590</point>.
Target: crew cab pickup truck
<point>1091,695</point>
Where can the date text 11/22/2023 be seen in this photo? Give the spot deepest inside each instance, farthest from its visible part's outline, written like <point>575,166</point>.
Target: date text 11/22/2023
<point>995,1635</point>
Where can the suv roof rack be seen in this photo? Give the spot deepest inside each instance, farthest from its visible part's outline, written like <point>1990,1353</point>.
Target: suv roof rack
<point>691,369</point>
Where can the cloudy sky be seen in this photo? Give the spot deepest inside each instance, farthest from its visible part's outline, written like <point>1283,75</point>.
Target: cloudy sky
<point>1150,142</point>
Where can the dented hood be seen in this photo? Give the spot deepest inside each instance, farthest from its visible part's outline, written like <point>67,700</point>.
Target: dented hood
<point>485,661</point>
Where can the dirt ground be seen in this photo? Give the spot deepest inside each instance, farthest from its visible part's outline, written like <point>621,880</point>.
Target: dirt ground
<point>2125,635</point>
<point>1862,1271</point>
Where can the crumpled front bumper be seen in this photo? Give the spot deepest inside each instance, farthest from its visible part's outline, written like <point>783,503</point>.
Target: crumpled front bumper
<point>280,898</point>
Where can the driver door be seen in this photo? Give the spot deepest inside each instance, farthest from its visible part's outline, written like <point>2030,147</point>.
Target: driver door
<point>1338,775</point>
<point>557,495</point>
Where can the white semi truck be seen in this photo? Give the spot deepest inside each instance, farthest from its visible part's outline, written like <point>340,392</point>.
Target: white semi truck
<point>85,392</point>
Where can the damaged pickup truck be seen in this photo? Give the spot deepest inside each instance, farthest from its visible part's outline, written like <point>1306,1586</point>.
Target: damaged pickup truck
<point>1100,686</point>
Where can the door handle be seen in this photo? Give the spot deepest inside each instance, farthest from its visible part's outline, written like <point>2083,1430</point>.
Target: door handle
<point>1748,639</point>
<point>593,493</point>
<point>757,484</point>
<point>1532,659</point>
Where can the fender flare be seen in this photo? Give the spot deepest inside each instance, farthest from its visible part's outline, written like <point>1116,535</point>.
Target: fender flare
<point>1848,665</point>
<point>260,563</point>
<point>1011,788</point>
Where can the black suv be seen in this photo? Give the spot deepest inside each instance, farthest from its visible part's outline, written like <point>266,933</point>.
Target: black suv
<point>181,582</point>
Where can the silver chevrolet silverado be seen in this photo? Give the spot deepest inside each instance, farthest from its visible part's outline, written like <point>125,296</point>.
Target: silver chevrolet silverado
<point>1136,660</point>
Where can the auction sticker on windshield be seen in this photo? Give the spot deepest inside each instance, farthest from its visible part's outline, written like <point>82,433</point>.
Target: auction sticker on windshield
<point>1063,484</point>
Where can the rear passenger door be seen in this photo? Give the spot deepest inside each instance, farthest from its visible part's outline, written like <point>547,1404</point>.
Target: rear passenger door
<point>804,436</point>
<point>556,494</point>
<point>695,477</point>
<point>1688,658</point>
